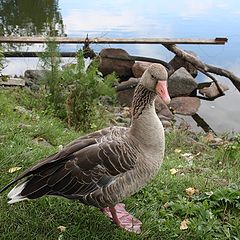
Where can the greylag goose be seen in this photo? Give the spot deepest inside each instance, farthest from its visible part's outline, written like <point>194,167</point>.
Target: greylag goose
<point>105,167</point>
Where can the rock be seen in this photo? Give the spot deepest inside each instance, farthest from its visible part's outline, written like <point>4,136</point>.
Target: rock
<point>108,64</point>
<point>177,63</point>
<point>130,83</point>
<point>166,123</point>
<point>124,97</point>
<point>35,75</point>
<point>139,68</point>
<point>185,105</point>
<point>181,83</point>
<point>162,110</point>
<point>125,91</point>
<point>13,82</point>
<point>42,141</point>
<point>122,116</point>
<point>33,78</point>
<point>126,112</point>
<point>212,91</point>
<point>23,110</point>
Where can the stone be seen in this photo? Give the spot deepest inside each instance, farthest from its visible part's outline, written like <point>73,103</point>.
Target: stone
<point>125,97</point>
<point>130,83</point>
<point>13,82</point>
<point>122,116</point>
<point>181,83</point>
<point>35,75</point>
<point>166,123</point>
<point>212,91</point>
<point>178,62</point>
<point>125,91</point>
<point>23,110</point>
<point>162,110</point>
<point>108,65</point>
<point>185,105</point>
<point>139,68</point>
<point>42,141</point>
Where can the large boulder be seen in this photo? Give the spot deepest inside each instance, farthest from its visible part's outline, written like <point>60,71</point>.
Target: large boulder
<point>139,68</point>
<point>181,83</point>
<point>125,91</point>
<point>212,90</point>
<point>185,105</point>
<point>34,78</point>
<point>35,75</point>
<point>178,62</point>
<point>162,110</point>
<point>116,60</point>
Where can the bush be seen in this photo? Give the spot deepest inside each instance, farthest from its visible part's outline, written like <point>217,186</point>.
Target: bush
<point>53,81</point>
<point>2,60</point>
<point>74,93</point>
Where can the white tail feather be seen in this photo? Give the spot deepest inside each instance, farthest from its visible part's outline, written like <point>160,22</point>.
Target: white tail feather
<point>15,194</point>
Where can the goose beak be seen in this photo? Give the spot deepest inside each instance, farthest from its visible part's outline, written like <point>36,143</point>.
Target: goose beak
<point>161,89</point>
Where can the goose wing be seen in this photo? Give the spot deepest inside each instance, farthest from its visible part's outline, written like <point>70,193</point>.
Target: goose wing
<point>61,157</point>
<point>86,165</point>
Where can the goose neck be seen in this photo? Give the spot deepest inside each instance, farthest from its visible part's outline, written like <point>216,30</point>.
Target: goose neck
<point>146,125</point>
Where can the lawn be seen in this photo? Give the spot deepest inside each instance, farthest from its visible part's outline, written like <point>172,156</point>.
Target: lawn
<point>196,194</point>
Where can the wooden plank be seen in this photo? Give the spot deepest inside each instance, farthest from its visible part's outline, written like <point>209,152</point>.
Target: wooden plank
<point>68,40</point>
<point>36,54</point>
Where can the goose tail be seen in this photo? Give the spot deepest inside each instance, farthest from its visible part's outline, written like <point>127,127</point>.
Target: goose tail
<point>15,194</point>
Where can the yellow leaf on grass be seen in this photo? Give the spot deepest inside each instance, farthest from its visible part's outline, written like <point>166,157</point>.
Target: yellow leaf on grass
<point>61,229</point>
<point>166,205</point>
<point>184,224</point>
<point>14,169</point>
<point>187,156</point>
<point>177,150</point>
<point>173,171</point>
<point>191,191</point>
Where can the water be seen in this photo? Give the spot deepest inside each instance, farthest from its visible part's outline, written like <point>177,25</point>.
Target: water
<point>125,18</point>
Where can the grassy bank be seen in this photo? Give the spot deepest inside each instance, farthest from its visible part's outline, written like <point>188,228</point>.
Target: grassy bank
<point>196,194</point>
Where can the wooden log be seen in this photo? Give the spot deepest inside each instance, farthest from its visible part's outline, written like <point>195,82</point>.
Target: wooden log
<point>36,54</point>
<point>205,68</point>
<point>68,40</point>
<point>202,123</point>
<point>73,54</point>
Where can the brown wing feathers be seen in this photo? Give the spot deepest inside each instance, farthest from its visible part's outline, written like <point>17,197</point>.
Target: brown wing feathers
<point>87,165</point>
<point>88,170</point>
<point>80,169</point>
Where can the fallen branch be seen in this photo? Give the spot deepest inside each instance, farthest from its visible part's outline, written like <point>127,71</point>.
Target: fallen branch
<point>204,68</point>
<point>139,58</point>
<point>221,93</point>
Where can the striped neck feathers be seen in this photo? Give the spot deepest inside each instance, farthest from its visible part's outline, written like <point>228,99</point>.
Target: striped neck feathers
<point>142,99</point>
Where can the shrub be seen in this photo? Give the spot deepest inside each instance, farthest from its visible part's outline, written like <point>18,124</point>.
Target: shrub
<point>74,93</point>
<point>53,81</point>
<point>2,60</point>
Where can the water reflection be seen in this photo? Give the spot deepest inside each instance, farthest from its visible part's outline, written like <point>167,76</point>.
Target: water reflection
<point>28,17</point>
<point>126,18</point>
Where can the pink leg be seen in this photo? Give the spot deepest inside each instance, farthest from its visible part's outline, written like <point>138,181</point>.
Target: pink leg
<point>122,218</point>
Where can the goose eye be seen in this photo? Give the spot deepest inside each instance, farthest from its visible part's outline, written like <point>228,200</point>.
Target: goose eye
<point>152,77</point>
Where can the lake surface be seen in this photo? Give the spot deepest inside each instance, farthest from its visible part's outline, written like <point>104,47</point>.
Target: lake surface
<point>143,18</point>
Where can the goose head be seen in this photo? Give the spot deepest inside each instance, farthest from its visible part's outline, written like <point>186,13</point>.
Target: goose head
<point>155,80</point>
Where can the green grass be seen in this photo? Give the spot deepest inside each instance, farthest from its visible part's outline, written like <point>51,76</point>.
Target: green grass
<point>212,212</point>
